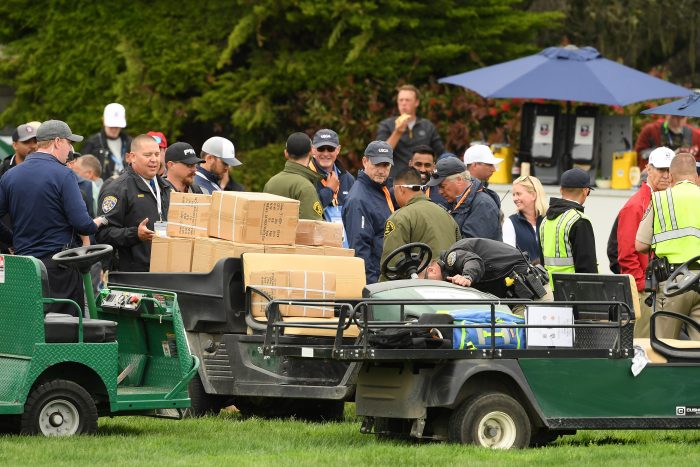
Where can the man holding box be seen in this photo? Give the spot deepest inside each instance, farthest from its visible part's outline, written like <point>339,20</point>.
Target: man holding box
<point>297,181</point>
<point>136,206</point>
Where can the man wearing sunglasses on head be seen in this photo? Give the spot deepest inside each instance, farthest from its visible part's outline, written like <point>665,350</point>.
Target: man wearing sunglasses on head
<point>418,219</point>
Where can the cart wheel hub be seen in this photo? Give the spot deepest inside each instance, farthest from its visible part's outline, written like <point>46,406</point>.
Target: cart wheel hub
<point>56,419</point>
<point>497,430</point>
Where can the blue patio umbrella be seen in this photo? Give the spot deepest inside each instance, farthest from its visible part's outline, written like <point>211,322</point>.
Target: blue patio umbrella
<point>567,74</point>
<point>686,107</point>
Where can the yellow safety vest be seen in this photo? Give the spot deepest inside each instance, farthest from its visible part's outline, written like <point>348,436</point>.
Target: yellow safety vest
<point>556,247</point>
<point>677,222</point>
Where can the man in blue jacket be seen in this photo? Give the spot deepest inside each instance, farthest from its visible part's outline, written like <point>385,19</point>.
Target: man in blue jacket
<point>335,180</point>
<point>47,210</point>
<point>368,205</point>
<point>474,210</point>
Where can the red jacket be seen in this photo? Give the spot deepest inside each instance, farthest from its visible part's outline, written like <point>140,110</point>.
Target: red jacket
<point>631,261</point>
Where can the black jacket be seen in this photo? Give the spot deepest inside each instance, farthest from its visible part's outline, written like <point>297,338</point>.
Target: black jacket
<point>126,202</point>
<point>580,236</point>
<point>97,146</point>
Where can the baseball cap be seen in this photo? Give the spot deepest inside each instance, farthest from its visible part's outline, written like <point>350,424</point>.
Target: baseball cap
<point>298,144</point>
<point>24,133</point>
<point>115,115</point>
<point>221,148</point>
<point>159,137</point>
<point>480,153</point>
<point>51,129</point>
<point>326,137</point>
<point>661,157</point>
<point>379,152</point>
<point>182,152</point>
<point>444,168</point>
<point>576,178</point>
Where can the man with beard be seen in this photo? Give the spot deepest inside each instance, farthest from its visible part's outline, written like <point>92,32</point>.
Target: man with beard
<point>181,161</point>
<point>423,160</point>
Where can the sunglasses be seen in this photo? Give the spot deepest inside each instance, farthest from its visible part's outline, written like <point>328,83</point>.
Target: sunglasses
<point>411,187</point>
<point>326,149</point>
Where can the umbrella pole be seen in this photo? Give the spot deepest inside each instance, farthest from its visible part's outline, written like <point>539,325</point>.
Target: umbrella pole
<point>567,143</point>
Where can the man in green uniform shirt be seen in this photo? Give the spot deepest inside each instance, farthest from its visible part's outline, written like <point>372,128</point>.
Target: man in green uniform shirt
<point>418,220</point>
<point>297,181</point>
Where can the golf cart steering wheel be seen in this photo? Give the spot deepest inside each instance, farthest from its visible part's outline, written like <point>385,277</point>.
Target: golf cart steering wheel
<point>82,258</point>
<point>682,280</point>
<point>414,258</point>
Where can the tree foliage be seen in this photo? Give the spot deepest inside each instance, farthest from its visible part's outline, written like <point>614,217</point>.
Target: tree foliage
<point>255,71</point>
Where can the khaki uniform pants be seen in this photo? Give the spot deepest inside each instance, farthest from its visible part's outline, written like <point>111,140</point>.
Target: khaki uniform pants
<point>687,304</point>
<point>641,327</point>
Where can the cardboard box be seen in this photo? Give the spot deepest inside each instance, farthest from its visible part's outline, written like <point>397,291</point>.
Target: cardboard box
<point>188,215</point>
<point>208,251</point>
<point>281,249</point>
<point>171,254</point>
<point>318,233</point>
<point>291,285</point>
<point>334,251</point>
<point>260,218</point>
<point>310,250</point>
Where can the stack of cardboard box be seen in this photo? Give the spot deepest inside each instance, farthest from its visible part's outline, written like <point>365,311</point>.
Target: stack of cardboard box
<point>202,229</point>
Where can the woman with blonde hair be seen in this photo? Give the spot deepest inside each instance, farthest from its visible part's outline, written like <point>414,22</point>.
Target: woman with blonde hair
<point>520,229</point>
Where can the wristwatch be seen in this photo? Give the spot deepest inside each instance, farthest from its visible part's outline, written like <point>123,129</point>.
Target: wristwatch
<point>103,221</point>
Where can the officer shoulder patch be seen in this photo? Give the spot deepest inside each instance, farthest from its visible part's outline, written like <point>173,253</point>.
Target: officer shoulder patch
<point>318,208</point>
<point>108,203</point>
<point>390,227</point>
<point>451,258</point>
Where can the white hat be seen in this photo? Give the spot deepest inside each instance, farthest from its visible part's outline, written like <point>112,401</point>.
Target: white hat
<point>222,148</point>
<point>661,157</point>
<point>480,153</point>
<point>115,115</point>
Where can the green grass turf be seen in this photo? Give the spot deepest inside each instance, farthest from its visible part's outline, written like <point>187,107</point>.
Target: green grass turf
<point>229,439</point>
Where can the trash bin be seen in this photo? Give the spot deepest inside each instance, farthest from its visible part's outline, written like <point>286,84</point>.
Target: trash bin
<point>622,163</point>
<point>503,174</point>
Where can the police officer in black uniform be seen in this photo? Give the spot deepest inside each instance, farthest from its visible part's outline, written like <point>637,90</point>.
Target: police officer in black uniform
<point>135,204</point>
<point>490,266</point>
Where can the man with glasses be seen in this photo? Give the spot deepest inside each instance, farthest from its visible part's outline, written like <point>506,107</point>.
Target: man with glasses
<point>136,206</point>
<point>335,180</point>
<point>566,234</point>
<point>181,161</point>
<point>476,213</point>
<point>629,259</point>
<point>418,219</point>
<point>47,210</point>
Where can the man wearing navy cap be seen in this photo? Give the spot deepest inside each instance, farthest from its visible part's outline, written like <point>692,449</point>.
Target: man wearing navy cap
<point>566,234</point>
<point>476,213</point>
<point>297,181</point>
<point>24,143</point>
<point>47,210</point>
<point>368,206</point>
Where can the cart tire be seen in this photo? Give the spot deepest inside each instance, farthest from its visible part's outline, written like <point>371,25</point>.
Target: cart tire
<point>491,420</point>
<point>202,403</point>
<point>59,408</point>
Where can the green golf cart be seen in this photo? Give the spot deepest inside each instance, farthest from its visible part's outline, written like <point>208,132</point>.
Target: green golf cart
<point>59,372</point>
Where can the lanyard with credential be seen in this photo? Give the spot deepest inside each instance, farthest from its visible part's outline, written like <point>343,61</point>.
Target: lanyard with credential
<point>312,166</point>
<point>156,195</point>
<point>461,199</point>
<point>387,195</point>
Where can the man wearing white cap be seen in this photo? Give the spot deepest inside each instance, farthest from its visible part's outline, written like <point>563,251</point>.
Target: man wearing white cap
<point>218,154</point>
<point>110,144</point>
<point>630,260</point>
<point>481,162</point>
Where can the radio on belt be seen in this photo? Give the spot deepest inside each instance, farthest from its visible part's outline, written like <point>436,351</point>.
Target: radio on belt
<point>128,301</point>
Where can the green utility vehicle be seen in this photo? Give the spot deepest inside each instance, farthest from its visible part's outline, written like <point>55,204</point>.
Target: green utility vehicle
<point>586,372</point>
<point>59,372</point>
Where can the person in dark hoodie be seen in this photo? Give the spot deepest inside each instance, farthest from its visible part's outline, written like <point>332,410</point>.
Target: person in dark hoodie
<point>111,144</point>
<point>475,210</point>
<point>566,234</point>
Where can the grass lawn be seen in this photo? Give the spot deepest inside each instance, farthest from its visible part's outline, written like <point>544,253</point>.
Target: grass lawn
<point>233,440</point>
